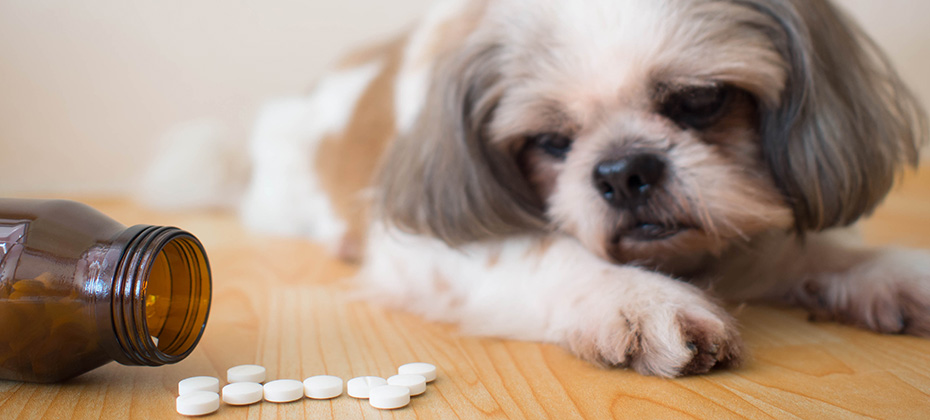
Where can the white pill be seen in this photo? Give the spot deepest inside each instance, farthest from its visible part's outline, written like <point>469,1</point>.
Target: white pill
<point>198,403</point>
<point>284,390</point>
<point>415,383</point>
<point>426,370</point>
<point>323,387</point>
<point>245,373</point>
<point>361,386</point>
<point>198,383</point>
<point>243,393</point>
<point>389,397</point>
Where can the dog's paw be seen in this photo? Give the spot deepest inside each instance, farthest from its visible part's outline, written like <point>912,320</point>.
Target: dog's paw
<point>714,342</point>
<point>889,293</point>
<point>665,334</point>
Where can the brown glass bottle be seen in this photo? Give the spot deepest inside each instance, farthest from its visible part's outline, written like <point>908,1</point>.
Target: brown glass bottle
<point>79,290</point>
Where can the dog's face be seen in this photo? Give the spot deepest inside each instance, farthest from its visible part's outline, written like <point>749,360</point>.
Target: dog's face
<point>637,123</point>
<point>651,129</point>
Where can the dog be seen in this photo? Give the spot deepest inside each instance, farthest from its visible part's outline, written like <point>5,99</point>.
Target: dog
<point>601,174</point>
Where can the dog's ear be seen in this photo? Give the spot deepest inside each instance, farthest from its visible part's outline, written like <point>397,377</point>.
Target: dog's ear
<point>442,177</point>
<point>846,125</point>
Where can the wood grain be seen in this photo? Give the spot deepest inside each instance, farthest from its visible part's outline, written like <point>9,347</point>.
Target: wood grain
<point>282,303</point>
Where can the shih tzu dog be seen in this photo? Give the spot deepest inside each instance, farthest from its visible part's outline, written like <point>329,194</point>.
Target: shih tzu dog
<point>599,173</point>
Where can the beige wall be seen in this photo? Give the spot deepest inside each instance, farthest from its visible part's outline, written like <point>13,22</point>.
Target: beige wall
<point>87,86</point>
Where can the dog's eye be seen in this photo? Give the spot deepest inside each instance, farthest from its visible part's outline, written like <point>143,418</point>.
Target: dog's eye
<point>553,144</point>
<point>697,107</point>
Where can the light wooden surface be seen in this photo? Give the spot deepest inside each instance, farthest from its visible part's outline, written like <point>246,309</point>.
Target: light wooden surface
<point>280,303</point>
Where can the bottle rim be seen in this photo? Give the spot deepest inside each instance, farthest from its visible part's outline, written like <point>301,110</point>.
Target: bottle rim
<point>130,286</point>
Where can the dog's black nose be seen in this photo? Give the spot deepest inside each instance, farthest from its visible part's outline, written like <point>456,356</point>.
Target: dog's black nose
<point>626,181</point>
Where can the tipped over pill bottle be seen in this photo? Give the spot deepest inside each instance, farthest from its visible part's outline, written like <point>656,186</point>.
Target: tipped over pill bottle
<point>79,290</point>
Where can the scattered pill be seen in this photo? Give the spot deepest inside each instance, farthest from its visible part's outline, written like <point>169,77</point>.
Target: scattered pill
<point>323,387</point>
<point>245,373</point>
<point>199,395</point>
<point>284,390</point>
<point>426,370</point>
<point>243,393</point>
<point>389,397</point>
<point>198,403</point>
<point>198,383</point>
<point>415,383</point>
<point>361,386</point>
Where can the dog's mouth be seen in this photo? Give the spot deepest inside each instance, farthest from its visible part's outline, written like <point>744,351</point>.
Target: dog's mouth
<point>649,231</point>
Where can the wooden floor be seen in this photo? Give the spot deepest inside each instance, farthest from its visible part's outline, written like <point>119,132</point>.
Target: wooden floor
<point>280,303</point>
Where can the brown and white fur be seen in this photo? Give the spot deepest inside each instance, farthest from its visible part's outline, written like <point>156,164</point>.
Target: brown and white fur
<point>715,149</point>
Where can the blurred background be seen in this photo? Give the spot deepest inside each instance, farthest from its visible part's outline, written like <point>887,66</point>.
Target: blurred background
<point>88,87</point>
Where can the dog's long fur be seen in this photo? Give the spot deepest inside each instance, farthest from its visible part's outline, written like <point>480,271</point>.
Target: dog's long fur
<point>432,159</point>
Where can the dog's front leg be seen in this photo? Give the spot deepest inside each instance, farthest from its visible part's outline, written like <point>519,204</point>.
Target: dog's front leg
<point>550,288</point>
<point>882,289</point>
<point>835,277</point>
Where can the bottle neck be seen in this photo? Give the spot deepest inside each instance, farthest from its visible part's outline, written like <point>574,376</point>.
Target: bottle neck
<point>160,296</point>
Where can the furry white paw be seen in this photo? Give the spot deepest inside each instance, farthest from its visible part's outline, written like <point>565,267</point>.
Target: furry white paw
<point>664,334</point>
<point>889,292</point>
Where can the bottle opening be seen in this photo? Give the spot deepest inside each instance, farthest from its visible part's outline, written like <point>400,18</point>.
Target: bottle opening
<point>177,295</point>
<point>161,296</point>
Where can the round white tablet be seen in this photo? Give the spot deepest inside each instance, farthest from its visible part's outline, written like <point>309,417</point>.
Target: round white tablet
<point>245,373</point>
<point>284,390</point>
<point>360,387</point>
<point>198,383</point>
<point>198,403</point>
<point>323,387</point>
<point>243,393</point>
<point>389,397</point>
<point>426,370</point>
<point>415,383</point>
